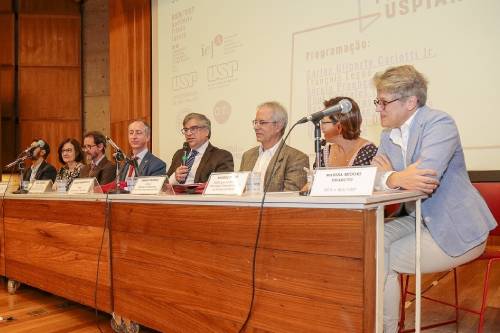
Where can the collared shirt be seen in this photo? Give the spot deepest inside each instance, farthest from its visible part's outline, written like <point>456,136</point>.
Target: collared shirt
<point>96,163</point>
<point>263,160</point>
<point>192,172</point>
<point>34,170</point>
<point>139,158</point>
<point>400,137</point>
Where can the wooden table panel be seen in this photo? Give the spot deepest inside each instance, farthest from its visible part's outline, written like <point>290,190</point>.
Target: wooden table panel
<point>54,245</point>
<point>178,274</point>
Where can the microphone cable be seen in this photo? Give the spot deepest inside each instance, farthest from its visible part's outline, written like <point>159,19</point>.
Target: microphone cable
<point>105,227</point>
<point>259,225</point>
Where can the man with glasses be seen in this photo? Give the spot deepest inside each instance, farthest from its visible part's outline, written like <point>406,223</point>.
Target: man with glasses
<point>144,162</point>
<point>198,158</point>
<point>289,174</point>
<point>40,169</point>
<point>98,166</point>
<point>421,150</point>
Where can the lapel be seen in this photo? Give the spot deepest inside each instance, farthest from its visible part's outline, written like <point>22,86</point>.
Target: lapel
<point>252,159</point>
<point>40,170</point>
<point>203,163</point>
<point>415,134</point>
<point>278,163</point>
<point>98,167</point>
<point>145,161</point>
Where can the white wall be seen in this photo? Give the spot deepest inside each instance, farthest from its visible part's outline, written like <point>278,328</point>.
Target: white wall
<point>224,57</point>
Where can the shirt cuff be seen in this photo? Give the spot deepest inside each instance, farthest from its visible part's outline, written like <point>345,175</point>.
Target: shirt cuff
<point>172,179</point>
<point>383,181</point>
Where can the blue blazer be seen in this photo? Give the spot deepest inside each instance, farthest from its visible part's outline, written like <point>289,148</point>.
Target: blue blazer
<point>150,166</point>
<point>455,214</point>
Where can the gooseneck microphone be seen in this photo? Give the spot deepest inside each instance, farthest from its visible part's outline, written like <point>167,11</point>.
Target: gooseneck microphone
<point>344,106</point>
<point>33,146</point>
<point>185,147</point>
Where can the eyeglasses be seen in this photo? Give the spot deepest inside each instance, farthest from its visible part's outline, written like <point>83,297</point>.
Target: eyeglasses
<point>88,147</point>
<point>328,122</point>
<point>68,150</point>
<point>382,103</point>
<point>192,129</point>
<point>262,122</point>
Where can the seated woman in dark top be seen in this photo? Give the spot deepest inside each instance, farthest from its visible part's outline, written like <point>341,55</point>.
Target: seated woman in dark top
<point>344,146</point>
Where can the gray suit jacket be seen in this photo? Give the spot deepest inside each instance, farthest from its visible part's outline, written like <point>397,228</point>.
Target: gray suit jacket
<point>289,174</point>
<point>455,214</point>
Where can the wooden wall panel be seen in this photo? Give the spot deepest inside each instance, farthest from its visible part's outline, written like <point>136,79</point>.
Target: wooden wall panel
<point>7,39</point>
<point>7,90</point>
<point>49,40</point>
<point>59,7</point>
<point>49,93</point>
<point>5,5</point>
<point>130,63</point>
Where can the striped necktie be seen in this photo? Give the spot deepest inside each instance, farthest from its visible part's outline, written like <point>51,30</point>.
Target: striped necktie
<point>189,162</point>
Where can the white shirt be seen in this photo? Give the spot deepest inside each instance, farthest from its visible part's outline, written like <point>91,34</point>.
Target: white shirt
<point>263,160</point>
<point>96,163</point>
<point>399,136</point>
<point>192,172</point>
<point>34,170</point>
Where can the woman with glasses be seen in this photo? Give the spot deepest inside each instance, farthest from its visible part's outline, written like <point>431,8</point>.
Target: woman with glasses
<point>344,146</point>
<point>71,156</point>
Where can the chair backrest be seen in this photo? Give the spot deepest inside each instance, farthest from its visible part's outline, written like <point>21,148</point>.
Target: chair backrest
<point>490,191</point>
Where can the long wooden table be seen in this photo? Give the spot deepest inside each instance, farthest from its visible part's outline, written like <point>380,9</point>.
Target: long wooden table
<point>184,263</point>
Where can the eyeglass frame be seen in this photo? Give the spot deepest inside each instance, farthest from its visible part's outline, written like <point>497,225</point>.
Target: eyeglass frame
<point>88,147</point>
<point>256,122</point>
<point>383,104</point>
<point>191,129</point>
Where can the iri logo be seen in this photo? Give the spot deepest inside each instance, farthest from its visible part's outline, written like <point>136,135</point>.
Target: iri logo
<point>225,70</point>
<point>208,49</point>
<point>184,81</point>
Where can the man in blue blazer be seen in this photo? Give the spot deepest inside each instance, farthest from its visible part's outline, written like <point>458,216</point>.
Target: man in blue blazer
<point>420,150</point>
<point>146,164</point>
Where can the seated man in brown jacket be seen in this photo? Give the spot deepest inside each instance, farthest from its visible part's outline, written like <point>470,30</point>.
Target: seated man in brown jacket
<point>98,166</point>
<point>269,126</point>
<point>198,158</point>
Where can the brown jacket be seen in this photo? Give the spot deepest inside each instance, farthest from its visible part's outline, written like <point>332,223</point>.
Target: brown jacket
<point>289,174</point>
<point>104,172</point>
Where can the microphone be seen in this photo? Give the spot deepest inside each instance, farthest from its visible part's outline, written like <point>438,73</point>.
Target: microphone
<point>119,156</point>
<point>34,145</point>
<point>185,147</point>
<point>344,106</point>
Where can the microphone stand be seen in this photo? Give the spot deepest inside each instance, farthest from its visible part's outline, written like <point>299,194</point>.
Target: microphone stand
<point>317,142</point>
<point>118,157</point>
<point>20,166</point>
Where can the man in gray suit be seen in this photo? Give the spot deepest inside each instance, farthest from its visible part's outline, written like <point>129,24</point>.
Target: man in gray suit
<point>421,150</point>
<point>269,126</point>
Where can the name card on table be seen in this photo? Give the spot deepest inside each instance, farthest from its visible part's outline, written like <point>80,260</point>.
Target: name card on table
<point>82,186</point>
<point>41,186</point>
<point>226,183</point>
<point>3,187</point>
<point>148,185</point>
<point>343,181</point>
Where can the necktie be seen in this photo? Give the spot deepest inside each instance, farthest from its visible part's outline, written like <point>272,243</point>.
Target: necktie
<point>92,168</point>
<point>131,167</point>
<point>189,162</point>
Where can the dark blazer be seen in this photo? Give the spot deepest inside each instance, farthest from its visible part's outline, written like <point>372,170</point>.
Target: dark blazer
<point>213,160</point>
<point>289,175</point>
<point>45,171</point>
<point>104,172</point>
<point>150,166</point>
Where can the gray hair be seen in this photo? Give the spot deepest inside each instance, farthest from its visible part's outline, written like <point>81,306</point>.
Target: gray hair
<point>205,122</point>
<point>147,127</point>
<point>404,81</point>
<point>279,114</point>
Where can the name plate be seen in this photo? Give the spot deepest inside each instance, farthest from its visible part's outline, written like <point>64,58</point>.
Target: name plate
<point>82,186</point>
<point>3,187</point>
<point>148,185</point>
<point>41,186</point>
<point>343,181</point>
<point>226,183</point>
